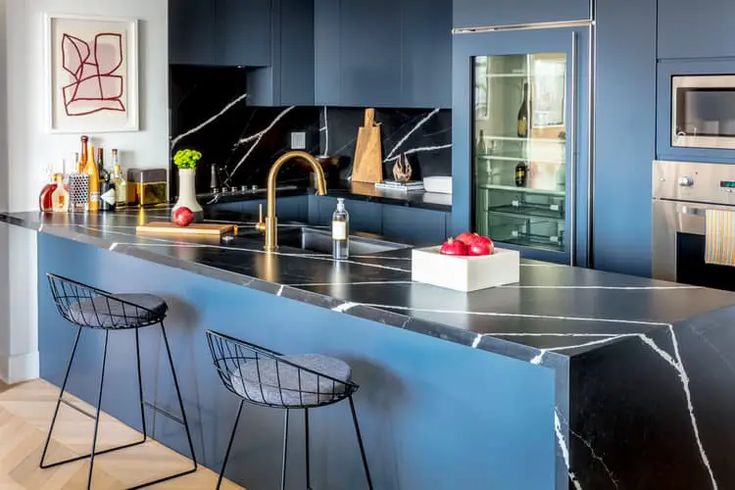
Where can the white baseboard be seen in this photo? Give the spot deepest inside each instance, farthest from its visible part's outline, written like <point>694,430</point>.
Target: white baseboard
<point>18,368</point>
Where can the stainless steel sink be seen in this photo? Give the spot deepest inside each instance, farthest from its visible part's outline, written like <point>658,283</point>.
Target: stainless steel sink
<point>320,241</point>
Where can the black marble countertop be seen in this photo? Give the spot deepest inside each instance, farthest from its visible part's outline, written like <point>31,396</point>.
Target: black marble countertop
<point>553,314</point>
<point>355,190</point>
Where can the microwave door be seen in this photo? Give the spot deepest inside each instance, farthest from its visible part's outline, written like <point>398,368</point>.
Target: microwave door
<point>703,111</point>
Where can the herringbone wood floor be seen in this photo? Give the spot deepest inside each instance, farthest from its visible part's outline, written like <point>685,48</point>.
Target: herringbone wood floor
<point>25,415</point>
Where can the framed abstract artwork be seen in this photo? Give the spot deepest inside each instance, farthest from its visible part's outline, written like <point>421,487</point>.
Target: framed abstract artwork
<point>92,74</point>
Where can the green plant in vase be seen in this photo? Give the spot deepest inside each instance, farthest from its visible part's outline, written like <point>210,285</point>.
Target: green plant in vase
<point>187,161</point>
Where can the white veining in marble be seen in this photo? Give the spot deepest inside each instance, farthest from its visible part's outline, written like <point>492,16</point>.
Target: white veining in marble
<point>344,307</point>
<point>408,135</point>
<point>280,290</point>
<point>419,150</point>
<point>325,129</point>
<point>209,121</point>
<point>564,448</point>
<point>256,139</point>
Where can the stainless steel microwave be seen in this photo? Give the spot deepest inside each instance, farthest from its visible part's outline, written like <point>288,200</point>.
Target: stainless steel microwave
<point>703,111</point>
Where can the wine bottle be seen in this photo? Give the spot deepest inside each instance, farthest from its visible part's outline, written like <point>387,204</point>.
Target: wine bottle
<point>94,184</point>
<point>340,231</point>
<point>104,174</point>
<point>524,119</point>
<point>481,149</point>
<point>521,175</point>
<point>119,180</point>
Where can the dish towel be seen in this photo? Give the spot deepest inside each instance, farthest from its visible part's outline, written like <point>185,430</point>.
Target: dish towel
<point>720,237</point>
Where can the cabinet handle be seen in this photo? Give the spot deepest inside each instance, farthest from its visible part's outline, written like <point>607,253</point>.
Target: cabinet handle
<point>572,140</point>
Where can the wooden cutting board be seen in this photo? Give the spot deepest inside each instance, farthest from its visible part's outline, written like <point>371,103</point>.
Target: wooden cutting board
<point>368,164</point>
<point>168,228</point>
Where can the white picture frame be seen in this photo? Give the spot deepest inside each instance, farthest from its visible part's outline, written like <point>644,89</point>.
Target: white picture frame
<point>91,66</point>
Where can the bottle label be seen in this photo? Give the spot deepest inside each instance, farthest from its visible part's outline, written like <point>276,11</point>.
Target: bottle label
<point>339,230</point>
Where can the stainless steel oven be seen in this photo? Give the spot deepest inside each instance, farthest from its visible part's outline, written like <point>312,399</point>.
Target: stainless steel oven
<point>703,111</point>
<point>682,193</point>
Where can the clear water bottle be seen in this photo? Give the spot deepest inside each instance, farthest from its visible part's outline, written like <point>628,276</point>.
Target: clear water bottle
<point>340,231</point>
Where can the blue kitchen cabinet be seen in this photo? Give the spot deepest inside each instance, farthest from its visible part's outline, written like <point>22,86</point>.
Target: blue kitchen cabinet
<point>364,216</point>
<point>701,29</point>
<point>382,53</point>
<point>476,13</point>
<point>292,208</point>
<point>427,53</point>
<point>546,216</point>
<point>625,130</point>
<point>191,33</point>
<point>414,225</point>
<point>243,32</point>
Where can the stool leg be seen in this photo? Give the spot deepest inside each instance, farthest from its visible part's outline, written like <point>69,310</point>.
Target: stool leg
<point>97,418</point>
<point>306,437</point>
<point>61,395</point>
<point>229,445</point>
<point>285,450</point>
<point>359,441</point>
<point>140,385</point>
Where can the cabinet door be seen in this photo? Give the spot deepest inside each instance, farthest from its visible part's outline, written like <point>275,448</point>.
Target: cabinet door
<point>414,225</point>
<point>243,32</point>
<point>688,29</point>
<point>370,56</point>
<point>327,52</point>
<point>427,53</point>
<point>364,216</point>
<point>191,32</point>
<point>474,13</point>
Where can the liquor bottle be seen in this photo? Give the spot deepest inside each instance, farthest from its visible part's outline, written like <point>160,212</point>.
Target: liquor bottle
<point>481,148</point>
<point>83,157</point>
<point>104,174</point>
<point>60,196</point>
<point>119,180</point>
<point>524,118</point>
<point>340,232</point>
<point>107,196</point>
<point>44,198</point>
<point>521,175</point>
<point>94,184</point>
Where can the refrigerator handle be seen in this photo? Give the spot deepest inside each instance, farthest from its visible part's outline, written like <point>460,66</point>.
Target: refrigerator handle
<point>573,156</point>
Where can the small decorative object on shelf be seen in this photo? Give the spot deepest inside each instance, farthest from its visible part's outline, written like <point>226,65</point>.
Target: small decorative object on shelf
<point>402,170</point>
<point>187,161</point>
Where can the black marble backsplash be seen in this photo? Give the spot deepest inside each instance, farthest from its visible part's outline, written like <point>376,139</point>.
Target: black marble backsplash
<point>210,113</point>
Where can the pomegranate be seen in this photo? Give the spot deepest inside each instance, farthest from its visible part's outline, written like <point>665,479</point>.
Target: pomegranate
<point>183,217</point>
<point>453,247</point>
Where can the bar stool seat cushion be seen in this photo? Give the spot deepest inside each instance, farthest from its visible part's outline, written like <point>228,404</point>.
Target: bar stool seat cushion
<point>103,313</point>
<point>259,381</point>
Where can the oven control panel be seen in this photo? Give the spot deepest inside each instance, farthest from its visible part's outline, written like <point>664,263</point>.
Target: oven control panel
<point>695,182</point>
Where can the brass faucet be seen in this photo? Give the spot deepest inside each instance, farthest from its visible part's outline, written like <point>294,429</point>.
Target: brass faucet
<point>270,225</point>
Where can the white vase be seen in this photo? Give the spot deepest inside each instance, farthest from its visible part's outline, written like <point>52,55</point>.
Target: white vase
<point>187,191</point>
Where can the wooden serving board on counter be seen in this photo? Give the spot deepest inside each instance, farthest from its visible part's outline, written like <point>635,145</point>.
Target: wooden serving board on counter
<point>167,228</point>
<point>368,164</point>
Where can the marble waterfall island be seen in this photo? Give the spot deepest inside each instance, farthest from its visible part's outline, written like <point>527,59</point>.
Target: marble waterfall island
<point>571,378</point>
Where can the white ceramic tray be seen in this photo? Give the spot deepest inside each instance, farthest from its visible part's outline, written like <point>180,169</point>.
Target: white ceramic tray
<point>465,273</point>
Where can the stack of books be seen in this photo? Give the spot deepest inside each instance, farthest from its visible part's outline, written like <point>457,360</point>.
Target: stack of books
<point>394,185</point>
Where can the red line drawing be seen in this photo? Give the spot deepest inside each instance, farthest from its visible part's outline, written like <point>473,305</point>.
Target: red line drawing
<point>94,84</point>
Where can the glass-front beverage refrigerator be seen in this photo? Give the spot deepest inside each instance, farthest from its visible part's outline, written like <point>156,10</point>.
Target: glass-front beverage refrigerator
<point>528,137</point>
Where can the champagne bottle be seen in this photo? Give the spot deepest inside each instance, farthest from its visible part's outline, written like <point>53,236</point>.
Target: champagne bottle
<point>524,118</point>
<point>94,184</point>
<point>340,232</point>
<point>83,156</point>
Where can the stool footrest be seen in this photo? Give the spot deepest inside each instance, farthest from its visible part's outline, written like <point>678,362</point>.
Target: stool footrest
<point>96,453</point>
<point>164,412</point>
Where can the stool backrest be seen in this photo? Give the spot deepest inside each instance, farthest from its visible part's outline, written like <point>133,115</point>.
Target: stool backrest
<point>239,359</point>
<point>87,306</point>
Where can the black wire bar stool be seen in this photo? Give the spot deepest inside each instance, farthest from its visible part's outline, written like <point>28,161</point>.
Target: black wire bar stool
<point>88,307</point>
<point>269,379</point>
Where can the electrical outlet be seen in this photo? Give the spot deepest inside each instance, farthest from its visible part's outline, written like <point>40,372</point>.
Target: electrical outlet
<point>298,140</point>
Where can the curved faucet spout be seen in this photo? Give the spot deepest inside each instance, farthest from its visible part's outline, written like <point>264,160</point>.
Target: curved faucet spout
<point>270,225</point>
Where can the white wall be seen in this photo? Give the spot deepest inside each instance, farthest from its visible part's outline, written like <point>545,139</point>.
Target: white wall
<point>31,148</point>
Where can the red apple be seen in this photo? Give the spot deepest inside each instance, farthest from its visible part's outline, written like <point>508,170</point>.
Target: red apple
<point>183,217</point>
<point>466,237</point>
<point>453,247</point>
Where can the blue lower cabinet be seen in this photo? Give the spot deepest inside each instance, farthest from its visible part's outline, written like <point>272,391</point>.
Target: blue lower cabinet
<point>364,216</point>
<point>294,208</point>
<point>413,225</point>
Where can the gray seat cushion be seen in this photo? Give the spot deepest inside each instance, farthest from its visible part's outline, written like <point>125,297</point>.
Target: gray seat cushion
<point>103,313</point>
<point>259,382</point>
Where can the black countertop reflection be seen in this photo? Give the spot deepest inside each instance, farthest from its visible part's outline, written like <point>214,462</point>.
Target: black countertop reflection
<point>549,317</point>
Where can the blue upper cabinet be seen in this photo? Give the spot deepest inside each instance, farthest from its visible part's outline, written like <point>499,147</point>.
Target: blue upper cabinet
<point>243,32</point>
<point>476,13</point>
<point>192,32</point>
<point>688,29</point>
<point>383,53</point>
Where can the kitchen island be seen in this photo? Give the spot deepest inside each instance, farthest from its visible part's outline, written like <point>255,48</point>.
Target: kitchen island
<point>572,378</point>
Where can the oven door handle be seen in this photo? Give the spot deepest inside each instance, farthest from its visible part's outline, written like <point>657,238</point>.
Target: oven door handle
<point>693,211</point>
